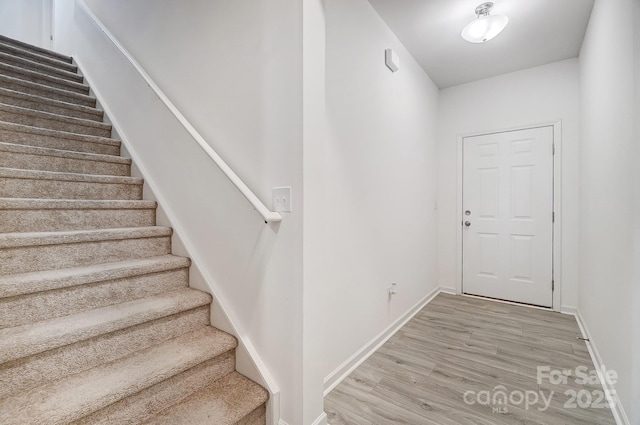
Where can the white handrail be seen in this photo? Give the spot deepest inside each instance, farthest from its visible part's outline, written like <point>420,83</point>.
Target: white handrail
<point>268,215</point>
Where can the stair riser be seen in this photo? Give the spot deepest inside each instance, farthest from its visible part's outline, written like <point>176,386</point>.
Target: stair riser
<point>46,257</point>
<point>40,68</point>
<point>257,417</point>
<point>28,161</point>
<point>53,109</point>
<point>74,358</point>
<point>19,52</point>
<point>53,220</point>
<point>43,79</point>
<point>53,142</point>
<point>145,404</point>
<point>21,310</point>
<point>53,124</point>
<point>35,49</point>
<point>57,189</point>
<point>37,90</point>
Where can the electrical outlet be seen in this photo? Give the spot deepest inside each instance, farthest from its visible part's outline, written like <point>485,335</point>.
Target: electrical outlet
<point>282,199</point>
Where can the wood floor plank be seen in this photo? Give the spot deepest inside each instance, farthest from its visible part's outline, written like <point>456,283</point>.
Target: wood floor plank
<point>432,405</point>
<point>395,364</point>
<point>449,364</point>
<point>364,378</point>
<point>341,416</point>
<point>379,410</point>
<point>427,337</point>
<point>526,341</point>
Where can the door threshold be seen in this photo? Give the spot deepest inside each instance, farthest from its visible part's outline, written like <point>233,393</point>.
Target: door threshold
<point>499,300</point>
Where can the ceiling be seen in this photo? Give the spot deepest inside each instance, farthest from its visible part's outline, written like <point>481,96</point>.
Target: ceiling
<point>539,32</point>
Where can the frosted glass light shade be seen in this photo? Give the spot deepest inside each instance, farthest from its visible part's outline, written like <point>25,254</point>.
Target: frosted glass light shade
<point>484,28</point>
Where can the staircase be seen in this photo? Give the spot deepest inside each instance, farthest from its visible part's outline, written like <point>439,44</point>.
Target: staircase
<point>97,322</point>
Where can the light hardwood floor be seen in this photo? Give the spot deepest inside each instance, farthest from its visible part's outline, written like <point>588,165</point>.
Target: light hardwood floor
<point>446,365</point>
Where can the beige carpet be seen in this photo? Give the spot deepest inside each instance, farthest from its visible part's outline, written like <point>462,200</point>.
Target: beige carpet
<point>98,324</point>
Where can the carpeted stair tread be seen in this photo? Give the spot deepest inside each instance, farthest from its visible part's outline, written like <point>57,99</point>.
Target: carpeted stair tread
<point>44,215</point>
<point>20,183</point>
<point>36,57</point>
<point>75,177</point>
<point>45,104</point>
<point>34,88</point>
<point>36,49</point>
<point>59,153</point>
<point>26,340</point>
<point>54,116</point>
<point>51,365</point>
<point>58,160</point>
<point>55,139</point>
<point>40,67</point>
<point>30,117</point>
<point>29,283</point>
<point>72,204</point>
<point>141,406</point>
<point>76,396</point>
<point>31,252</point>
<point>225,402</point>
<point>45,305</point>
<point>44,79</point>
<point>13,240</point>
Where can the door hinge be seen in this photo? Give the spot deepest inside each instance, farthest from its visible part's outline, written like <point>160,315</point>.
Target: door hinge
<point>553,149</point>
<point>553,285</point>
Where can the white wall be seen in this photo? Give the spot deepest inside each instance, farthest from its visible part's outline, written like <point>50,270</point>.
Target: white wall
<point>635,378</point>
<point>537,95</point>
<point>63,36</point>
<point>234,69</point>
<point>226,66</point>
<point>378,221</point>
<point>314,167</point>
<point>608,185</point>
<point>26,20</point>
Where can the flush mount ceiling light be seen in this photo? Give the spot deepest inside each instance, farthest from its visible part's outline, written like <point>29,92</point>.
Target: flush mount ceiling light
<point>484,27</point>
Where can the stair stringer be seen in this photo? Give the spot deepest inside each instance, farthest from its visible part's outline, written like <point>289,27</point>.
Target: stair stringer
<point>249,361</point>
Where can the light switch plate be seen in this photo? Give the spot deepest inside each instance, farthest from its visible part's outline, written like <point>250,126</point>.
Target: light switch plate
<point>282,199</point>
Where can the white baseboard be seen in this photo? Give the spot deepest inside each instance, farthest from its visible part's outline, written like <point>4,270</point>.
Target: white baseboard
<point>342,371</point>
<point>447,290</point>
<point>322,420</point>
<point>618,411</point>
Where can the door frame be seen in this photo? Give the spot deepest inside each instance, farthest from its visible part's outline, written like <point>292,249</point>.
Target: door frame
<point>557,204</point>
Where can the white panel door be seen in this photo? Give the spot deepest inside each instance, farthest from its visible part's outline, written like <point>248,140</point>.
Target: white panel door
<point>507,222</point>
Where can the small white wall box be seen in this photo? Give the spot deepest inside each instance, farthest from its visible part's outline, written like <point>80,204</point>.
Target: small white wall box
<point>392,60</point>
<point>282,199</point>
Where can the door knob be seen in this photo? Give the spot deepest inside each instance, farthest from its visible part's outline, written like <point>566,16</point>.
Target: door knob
<point>467,223</point>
